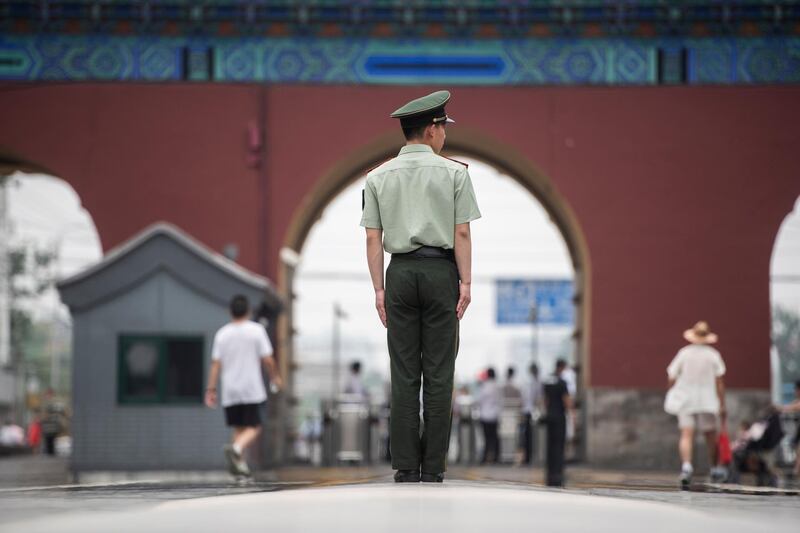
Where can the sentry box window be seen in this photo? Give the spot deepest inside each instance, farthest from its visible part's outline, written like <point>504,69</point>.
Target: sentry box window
<point>160,369</point>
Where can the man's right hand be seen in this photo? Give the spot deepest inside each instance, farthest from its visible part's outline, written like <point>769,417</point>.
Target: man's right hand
<point>380,305</point>
<point>464,298</point>
<point>211,398</point>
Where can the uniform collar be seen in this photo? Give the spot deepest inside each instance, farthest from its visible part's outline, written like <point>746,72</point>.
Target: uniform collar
<point>413,148</point>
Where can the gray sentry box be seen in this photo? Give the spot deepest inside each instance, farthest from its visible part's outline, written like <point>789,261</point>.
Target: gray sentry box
<point>144,318</point>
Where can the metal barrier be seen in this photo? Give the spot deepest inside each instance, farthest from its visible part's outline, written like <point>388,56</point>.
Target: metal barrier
<point>508,429</point>
<point>467,433</point>
<point>354,432</point>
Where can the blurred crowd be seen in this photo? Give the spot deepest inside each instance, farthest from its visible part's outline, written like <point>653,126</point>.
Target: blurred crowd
<point>46,433</point>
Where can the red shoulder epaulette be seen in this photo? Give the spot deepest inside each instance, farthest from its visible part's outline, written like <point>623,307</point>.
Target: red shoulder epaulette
<point>456,161</point>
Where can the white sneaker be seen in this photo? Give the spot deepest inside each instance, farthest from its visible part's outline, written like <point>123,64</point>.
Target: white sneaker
<point>243,468</point>
<point>244,481</point>
<point>686,477</point>
<point>230,459</point>
<point>237,466</point>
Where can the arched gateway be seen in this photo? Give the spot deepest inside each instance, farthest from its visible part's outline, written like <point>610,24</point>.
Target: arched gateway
<point>673,196</point>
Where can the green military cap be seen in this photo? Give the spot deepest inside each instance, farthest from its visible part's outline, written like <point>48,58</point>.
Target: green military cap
<point>423,111</point>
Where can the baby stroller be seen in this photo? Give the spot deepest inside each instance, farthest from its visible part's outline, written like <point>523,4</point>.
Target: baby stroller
<point>763,437</point>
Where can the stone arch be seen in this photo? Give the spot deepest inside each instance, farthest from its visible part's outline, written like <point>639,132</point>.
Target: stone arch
<point>11,162</point>
<point>459,141</point>
<point>785,366</point>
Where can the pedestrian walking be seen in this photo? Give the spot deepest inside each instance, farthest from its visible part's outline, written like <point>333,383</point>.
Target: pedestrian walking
<point>697,397</point>
<point>558,405</point>
<point>239,349</point>
<point>531,402</point>
<point>490,402</point>
<point>418,206</point>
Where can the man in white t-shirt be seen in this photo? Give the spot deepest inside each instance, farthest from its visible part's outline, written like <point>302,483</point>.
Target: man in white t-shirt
<point>240,348</point>
<point>697,372</point>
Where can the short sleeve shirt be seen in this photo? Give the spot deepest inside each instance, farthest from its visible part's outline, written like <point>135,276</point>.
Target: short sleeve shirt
<point>417,198</point>
<point>489,401</point>
<point>695,370</point>
<point>531,395</point>
<point>239,346</point>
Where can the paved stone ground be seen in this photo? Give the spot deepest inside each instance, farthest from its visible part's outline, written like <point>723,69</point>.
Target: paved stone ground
<point>33,470</point>
<point>463,506</point>
<point>364,499</point>
<point>22,505</point>
<point>580,476</point>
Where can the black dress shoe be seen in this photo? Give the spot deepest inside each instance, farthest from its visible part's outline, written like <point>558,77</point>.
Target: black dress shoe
<point>406,476</point>
<point>432,478</point>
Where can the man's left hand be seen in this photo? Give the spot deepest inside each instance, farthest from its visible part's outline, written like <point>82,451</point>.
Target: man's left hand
<point>464,298</point>
<point>380,306</point>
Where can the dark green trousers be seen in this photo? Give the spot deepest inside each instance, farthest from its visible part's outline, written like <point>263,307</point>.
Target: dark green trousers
<point>421,298</point>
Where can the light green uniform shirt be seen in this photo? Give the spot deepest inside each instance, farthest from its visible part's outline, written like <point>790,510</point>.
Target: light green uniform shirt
<point>417,198</point>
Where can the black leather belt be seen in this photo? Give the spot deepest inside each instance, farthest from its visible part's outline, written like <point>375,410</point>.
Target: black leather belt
<point>429,252</point>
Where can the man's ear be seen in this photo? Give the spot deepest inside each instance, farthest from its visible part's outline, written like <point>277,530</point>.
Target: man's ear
<point>429,131</point>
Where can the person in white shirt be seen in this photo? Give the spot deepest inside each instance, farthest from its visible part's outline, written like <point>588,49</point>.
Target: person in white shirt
<point>355,386</point>
<point>490,402</point>
<point>570,378</point>
<point>696,373</point>
<point>240,348</point>
<point>531,403</point>
<point>511,393</point>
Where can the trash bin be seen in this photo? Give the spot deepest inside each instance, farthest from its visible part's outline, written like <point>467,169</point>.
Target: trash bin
<point>346,431</point>
<point>466,435</point>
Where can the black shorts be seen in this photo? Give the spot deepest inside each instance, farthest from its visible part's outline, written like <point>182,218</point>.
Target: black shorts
<point>243,415</point>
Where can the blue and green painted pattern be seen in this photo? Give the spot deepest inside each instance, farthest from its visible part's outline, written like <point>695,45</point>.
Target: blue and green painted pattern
<point>604,61</point>
<point>504,19</point>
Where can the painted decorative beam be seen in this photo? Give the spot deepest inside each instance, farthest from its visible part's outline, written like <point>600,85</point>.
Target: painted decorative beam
<point>399,62</point>
<point>403,19</point>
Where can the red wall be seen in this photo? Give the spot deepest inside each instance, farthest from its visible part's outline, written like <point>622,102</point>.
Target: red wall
<point>679,191</point>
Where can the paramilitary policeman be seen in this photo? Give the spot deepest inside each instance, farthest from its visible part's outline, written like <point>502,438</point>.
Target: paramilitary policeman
<point>418,207</point>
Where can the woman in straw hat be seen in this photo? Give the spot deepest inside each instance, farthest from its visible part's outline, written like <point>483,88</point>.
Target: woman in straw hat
<point>695,378</point>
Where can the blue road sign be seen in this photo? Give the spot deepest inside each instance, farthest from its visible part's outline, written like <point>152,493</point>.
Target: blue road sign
<point>551,298</point>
